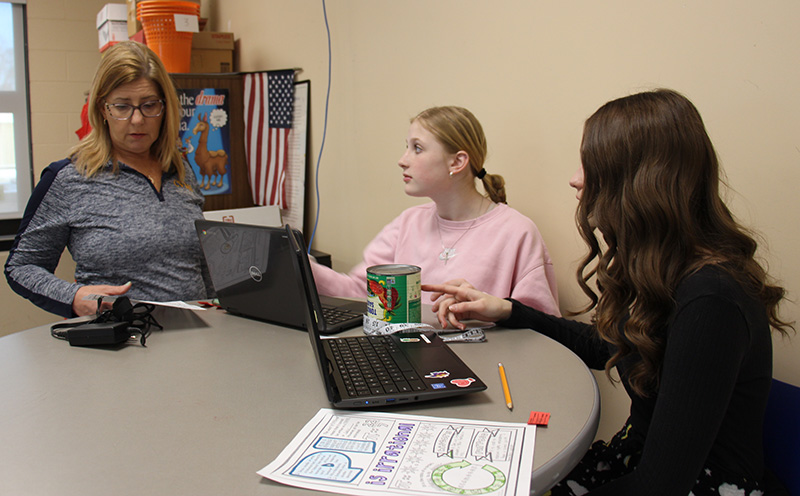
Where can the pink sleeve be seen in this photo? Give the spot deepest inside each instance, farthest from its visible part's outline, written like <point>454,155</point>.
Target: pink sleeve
<point>332,283</point>
<point>510,259</point>
<point>538,290</point>
<point>354,284</point>
<point>536,284</point>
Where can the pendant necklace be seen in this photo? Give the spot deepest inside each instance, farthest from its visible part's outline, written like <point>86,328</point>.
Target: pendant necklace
<point>151,177</point>
<point>448,253</point>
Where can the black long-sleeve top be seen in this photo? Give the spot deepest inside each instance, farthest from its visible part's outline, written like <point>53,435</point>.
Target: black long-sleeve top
<point>714,384</point>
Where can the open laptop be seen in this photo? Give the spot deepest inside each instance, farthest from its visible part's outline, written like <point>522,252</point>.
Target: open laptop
<point>366,371</point>
<point>253,274</point>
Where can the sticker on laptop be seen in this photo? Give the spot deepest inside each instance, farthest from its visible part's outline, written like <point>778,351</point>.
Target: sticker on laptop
<point>462,383</point>
<point>439,385</point>
<point>409,340</point>
<point>438,374</point>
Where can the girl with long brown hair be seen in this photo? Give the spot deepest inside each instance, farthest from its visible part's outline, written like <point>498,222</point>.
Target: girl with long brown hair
<point>681,307</point>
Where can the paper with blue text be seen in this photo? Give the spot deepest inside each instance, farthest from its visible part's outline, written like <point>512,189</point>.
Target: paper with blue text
<point>365,453</point>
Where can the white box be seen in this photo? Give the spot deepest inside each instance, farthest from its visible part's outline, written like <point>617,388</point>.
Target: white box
<point>112,25</point>
<point>112,32</point>
<point>112,12</point>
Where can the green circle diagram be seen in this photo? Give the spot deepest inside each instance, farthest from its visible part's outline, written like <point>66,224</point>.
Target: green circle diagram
<point>499,479</point>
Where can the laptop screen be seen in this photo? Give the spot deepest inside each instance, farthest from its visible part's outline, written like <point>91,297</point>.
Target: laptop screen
<point>312,309</point>
<point>252,272</point>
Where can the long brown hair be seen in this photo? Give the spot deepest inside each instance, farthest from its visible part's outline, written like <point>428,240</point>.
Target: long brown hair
<point>124,63</point>
<point>651,189</point>
<point>457,129</point>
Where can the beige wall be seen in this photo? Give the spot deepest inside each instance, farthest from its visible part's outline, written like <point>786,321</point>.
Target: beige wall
<point>531,71</point>
<point>62,49</point>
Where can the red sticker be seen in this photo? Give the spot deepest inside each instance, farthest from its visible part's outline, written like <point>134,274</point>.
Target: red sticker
<point>462,383</point>
<point>539,418</point>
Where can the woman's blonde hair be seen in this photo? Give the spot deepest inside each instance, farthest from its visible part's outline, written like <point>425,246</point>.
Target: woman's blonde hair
<point>458,130</point>
<point>125,63</point>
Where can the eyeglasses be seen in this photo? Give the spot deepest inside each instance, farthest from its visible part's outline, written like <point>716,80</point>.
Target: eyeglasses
<point>123,111</point>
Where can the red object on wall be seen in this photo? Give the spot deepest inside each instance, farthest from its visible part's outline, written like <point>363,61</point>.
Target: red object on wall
<point>86,128</point>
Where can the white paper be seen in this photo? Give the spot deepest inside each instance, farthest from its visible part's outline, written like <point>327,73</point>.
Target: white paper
<point>364,453</point>
<point>173,304</point>
<point>296,160</point>
<point>186,23</point>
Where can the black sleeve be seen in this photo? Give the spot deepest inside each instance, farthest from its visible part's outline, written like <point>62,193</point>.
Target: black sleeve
<point>579,337</point>
<point>705,347</point>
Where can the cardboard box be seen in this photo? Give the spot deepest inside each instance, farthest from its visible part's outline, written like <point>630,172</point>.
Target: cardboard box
<point>211,40</point>
<point>211,61</point>
<point>134,24</point>
<point>112,25</point>
<point>212,52</point>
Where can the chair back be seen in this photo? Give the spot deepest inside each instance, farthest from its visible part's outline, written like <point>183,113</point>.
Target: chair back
<point>782,434</point>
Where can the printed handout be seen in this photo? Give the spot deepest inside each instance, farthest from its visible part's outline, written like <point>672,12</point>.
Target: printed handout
<point>365,453</point>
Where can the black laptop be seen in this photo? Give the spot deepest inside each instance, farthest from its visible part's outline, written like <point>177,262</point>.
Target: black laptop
<point>252,270</point>
<point>366,371</point>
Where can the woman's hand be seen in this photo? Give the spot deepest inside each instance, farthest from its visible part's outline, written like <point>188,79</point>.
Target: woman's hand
<point>83,307</point>
<point>458,300</point>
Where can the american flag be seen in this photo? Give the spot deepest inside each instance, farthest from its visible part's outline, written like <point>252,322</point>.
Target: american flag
<point>268,98</point>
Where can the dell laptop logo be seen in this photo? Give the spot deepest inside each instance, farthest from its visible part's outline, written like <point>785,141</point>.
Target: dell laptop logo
<point>255,273</point>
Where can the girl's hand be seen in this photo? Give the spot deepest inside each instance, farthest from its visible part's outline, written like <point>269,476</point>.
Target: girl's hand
<point>458,300</point>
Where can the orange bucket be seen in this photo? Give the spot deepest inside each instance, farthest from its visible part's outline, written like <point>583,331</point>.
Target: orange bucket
<point>174,48</point>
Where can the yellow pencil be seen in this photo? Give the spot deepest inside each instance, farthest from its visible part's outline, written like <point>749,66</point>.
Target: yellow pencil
<point>504,381</point>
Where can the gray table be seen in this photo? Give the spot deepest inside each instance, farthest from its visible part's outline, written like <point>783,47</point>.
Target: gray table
<point>214,398</point>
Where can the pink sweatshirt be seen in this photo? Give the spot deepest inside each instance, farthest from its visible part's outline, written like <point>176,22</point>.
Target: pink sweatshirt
<point>500,253</point>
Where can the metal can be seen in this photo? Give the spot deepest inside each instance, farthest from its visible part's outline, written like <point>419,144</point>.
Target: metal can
<point>394,293</point>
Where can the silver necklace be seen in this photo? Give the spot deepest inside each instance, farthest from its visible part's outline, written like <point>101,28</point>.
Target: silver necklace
<point>448,253</point>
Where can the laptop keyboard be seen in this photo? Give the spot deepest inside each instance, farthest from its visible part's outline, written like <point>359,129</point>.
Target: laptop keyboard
<point>333,315</point>
<point>373,365</point>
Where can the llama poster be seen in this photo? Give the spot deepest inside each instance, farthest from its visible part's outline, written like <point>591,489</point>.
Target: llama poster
<point>205,137</point>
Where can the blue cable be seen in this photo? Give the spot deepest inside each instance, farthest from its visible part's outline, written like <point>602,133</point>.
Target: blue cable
<point>324,127</point>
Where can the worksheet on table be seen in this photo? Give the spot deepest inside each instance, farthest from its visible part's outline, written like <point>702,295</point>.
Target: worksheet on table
<point>364,453</point>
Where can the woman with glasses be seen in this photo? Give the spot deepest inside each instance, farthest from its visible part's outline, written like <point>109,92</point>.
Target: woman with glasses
<point>123,203</point>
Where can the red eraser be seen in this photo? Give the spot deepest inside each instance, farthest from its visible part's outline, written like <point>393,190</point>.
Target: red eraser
<point>539,418</point>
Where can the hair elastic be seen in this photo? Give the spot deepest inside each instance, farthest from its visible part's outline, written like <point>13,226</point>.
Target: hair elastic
<point>481,174</point>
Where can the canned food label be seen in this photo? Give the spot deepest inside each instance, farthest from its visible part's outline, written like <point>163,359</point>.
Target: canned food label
<point>394,293</point>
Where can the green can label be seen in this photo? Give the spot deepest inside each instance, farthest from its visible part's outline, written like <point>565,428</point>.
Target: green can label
<point>394,293</point>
